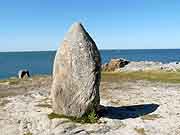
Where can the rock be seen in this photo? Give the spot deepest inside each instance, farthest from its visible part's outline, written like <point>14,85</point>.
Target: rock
<point>114,64</point>
<point>143,66</point>
<point>23,74</point>
<point>151,66</point>
<point>76,74</point>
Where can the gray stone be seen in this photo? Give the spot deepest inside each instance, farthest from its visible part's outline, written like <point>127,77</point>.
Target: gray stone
<point>24,73</point>
<point>76,74</point>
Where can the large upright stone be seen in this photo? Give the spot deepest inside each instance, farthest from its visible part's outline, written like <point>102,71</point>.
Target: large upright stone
<point>76,74</point>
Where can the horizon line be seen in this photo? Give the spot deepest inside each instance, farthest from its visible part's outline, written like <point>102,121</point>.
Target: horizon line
<point>99,49</point>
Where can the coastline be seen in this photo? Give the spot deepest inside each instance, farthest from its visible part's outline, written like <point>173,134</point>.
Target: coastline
<point>134,102</point>
<point>132,106</point>
<point>41,62</point>
<point>132,66</point>
<point>123,65</point>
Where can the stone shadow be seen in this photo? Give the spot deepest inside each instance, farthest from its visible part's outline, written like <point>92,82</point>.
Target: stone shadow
<point>126,112</point>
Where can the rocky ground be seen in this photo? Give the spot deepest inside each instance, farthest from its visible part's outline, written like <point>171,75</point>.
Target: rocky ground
<point>122,65</point>
<point>130,108</point>
<point>150,65</point>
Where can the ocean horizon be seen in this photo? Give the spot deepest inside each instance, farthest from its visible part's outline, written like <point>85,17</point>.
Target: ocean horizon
<point>41,62</point>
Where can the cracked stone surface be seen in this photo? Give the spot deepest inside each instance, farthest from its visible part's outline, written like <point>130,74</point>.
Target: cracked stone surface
<point>76,74</point>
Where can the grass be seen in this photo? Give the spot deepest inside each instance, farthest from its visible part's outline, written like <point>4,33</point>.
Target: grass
<point>168,77</point>
<point>14,86</point>
<point>87,118</point>
<point>15,80</point>
<point>28,133</point>
<point>140,131</point>
<point>162,76</point>
<point>39,76</point>
<point>151,117</point>
<point>4,102</point>
<point>44,105</point>
<point>10,81</point>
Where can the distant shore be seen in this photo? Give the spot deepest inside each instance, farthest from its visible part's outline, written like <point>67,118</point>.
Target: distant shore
<point>130,66</point>
<point>151,65</point>
<point>41,62</point>
<point>119,65</point>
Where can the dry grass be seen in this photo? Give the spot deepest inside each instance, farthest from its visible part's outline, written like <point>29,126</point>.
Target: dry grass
<point>15,80</point>
<point>4,102</point>
<point>169,77</point>
<point>90,117</point>
<point>14,86</point>
<point>151,117</point>
<point>28,133</point>
<point>10,81</point>
<point>44,105</point>
<point>140,131</point>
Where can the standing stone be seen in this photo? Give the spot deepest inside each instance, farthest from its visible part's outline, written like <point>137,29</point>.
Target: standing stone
<point>76,74</point>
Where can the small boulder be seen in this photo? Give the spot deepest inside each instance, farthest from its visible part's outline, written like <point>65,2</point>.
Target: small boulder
<point>114,64</point>
<point>24,73</point>
<point>76,74</point>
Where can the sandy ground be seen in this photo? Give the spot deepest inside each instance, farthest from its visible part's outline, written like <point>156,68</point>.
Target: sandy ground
<point>130,108</point>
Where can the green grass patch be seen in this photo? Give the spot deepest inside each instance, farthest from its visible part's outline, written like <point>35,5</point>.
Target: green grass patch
<point>11,81</point>
<point>4,102</point>
<point>87,118</point>
<point>3,81</point>
<point>39,76</point>
<point>140,131</point>
<point>169,77</point>
<point>44,105</point>
<point>28,133</point>
<point>151,117</point>
<point>15,80</point>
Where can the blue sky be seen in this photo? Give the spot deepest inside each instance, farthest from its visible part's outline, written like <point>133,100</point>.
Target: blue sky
<point>33,25</point>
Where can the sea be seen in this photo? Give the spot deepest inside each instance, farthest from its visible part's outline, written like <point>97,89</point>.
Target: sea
<point>39,63</point>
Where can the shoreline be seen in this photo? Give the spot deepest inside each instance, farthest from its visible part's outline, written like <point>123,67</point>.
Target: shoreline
<point>15,86</point>
<point>106,49</point>
<point>132,66</point>
<point>132,106</point>
<point>121,65</point>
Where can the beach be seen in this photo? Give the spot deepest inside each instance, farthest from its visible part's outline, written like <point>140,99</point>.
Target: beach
<point>136,106</point>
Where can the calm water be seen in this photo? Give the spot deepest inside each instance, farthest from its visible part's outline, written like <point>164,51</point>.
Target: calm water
<point>42,62</point>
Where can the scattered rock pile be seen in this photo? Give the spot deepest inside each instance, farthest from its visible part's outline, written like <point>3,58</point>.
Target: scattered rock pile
<point>125,65</point>
<point>76,75</point>
<point>151,66</point>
